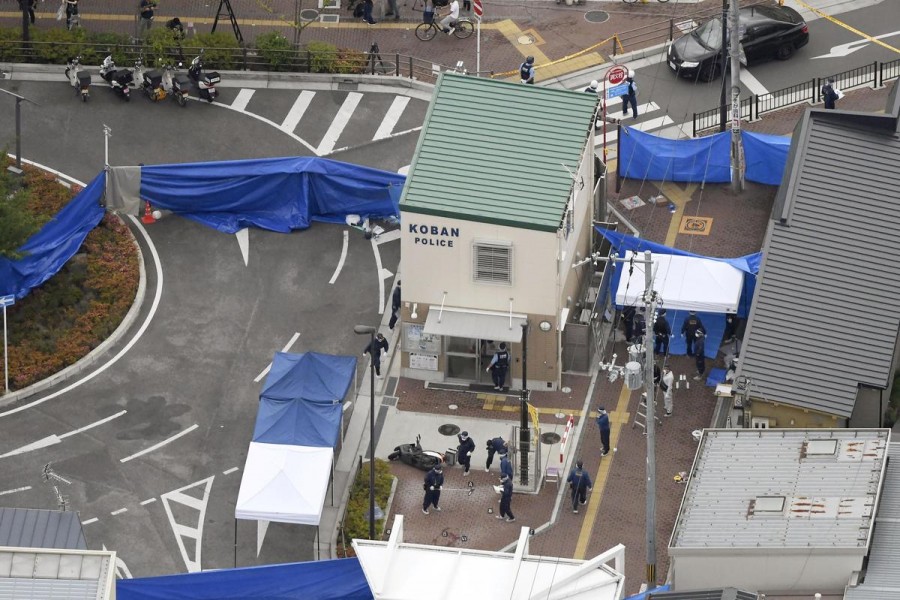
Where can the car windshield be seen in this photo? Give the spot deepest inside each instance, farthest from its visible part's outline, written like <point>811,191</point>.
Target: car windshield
<point>710,34</point>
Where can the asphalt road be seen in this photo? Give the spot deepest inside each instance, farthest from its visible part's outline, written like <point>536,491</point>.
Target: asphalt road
<point>154,440</point>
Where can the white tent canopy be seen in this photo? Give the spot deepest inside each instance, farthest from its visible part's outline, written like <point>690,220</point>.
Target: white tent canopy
<point>684,283</point>
<point>284,483</point>
<point>401,571</point>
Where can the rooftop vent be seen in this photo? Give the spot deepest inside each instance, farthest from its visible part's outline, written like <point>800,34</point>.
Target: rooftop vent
<point>819,449</point>
<point>767,505</point>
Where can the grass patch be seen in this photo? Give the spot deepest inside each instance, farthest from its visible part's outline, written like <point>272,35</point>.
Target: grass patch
<point>355,523</point>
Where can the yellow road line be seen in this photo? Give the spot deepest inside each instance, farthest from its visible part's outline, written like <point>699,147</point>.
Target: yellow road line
<point>847,27</point>
<point>617,419</point>
<point>679,197</point>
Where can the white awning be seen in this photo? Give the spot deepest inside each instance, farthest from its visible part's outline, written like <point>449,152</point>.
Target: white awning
<point>476,324</point>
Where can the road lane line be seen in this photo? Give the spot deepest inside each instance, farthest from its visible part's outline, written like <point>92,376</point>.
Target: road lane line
<point>340,265</point>
<point>268,368</point>
<point>292,119</point>
<point>339,123</point>
<point>52,440</point>
<point>753,85</point>
<point>392,117</point>
<point>646,126</point>
<point>89,521</point>
<point>92,425</point>
<point>160,444</point>
<point>231,470</point>
<point>119,512</point>
<point>379,270</point>
<point>21,489</point>
<point>243,99</point>
<point>148,501</point>
<point>388,236</point>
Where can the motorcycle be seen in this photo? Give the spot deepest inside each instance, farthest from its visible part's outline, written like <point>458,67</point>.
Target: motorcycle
<point>206,82</point>
<point>159,84</point>
<point>78,78</point>
<point>414,456</point>
<point>118,79</point>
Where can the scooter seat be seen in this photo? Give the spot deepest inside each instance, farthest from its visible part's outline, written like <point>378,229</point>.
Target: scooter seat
<point>123,76</point>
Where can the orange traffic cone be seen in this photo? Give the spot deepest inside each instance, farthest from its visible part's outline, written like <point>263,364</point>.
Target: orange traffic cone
<point>147,219</point>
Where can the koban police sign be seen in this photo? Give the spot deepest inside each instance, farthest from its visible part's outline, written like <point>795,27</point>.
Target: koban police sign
<point>432,235</point>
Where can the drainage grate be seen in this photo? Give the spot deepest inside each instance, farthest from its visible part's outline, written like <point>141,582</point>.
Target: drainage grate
<point>329,18</point>
<point>309,14</point>
<point>596,16</point>
<point>448,429</point>
<point>550,438</point>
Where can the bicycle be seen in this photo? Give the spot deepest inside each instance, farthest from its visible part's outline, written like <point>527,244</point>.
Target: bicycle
<point>462,29</point>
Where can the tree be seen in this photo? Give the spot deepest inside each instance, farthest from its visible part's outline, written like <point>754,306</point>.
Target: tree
<point>17,224</point>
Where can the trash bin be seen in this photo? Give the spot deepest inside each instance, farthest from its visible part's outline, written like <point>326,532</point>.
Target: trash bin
<point>450,457</point>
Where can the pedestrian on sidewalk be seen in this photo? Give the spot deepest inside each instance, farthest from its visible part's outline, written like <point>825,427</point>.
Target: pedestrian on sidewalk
<point>395,301</point>
<point>667,384</point>
<point>28,5</point>
<point>374,349</point>
<point>505,466</point>
<point>464,451</point>
<point>699,354</point>
<point>630,96</point>
<point>628,319</point>
<point>434,483</point>
<point>526,71</point>
<point>662,331</point>
<point>448,23</point>
<point>494,446</point>
<point>506,499</point>
<point>692,324</point>
<point>368,5</point>
<point>145,19</point>
<point>71,13</point>
<point>603,424</point>
<point>829,94</point>
<point>393,11</point>
<point>580,484</point>
<point>498,367</point>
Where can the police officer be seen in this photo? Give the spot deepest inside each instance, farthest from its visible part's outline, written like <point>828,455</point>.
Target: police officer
<point>630,97</point>
<point>661,333</point>
<point>375,349</point>
<point>604,426</point>
<point>498,367</point>
<point>526,70</point>
<point>700,354</point>
<point>593,88</point>
<point>580,484</point>
<point>494,446</point>
<point>464,451</point>
<point>505,465</point>
<point>395,306</point>
<point>506,499</point>
<point>689,330</point>
<point>434,483</point>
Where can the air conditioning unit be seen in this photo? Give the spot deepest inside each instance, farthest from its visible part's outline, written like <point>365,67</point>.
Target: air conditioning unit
<point>762,423</point>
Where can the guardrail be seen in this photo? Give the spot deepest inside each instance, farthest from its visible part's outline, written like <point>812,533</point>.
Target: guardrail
<point>873,74</point>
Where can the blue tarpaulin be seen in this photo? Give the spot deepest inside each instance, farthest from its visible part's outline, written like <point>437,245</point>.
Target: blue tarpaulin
<point>50,248</point>
<point>302,399</point>
<point>341,579</point>
<point>766,157</point>
<point>646,156</point>
<point>280,194</point>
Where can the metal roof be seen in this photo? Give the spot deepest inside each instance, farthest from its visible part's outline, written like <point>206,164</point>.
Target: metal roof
<point>827,480</point>
<point>882,578</point>
<point>41,574</point>
<point>722,594</point>
<point>493,152</point>
<point>825,313</point>
<point>33,528</point>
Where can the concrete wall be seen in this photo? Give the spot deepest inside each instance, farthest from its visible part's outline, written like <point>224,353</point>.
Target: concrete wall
<point>789,416</point>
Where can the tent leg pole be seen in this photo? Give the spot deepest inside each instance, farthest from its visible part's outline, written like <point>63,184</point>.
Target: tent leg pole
<point>235,543</point>
<point>318,548</point>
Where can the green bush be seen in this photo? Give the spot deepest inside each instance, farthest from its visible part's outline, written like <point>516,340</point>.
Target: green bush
<point>55,46</point>
<point>350,61</point>
<point>222,50</point>
<point>10,43</point>
<point>116,44</point>
<point>276,50</point>
<point>321,57</point>
<point>355,523</point>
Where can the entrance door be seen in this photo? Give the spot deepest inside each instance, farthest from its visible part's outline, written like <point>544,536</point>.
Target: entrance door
<point>467,359</point>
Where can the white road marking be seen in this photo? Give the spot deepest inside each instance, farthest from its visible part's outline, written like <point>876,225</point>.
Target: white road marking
<point>119,512</point>
<point>339,123</point>
<point>243,99</point>
<point>92,425</point>
<point>268,368</point>
<point>193,564</point>
<point>752,83</point>
<point>243,240</point>
<point>388,236</point>
<point>392,117</point>
<point>148,501</point>
<point>340,265</point>
<point>231,470</point>
<point>140,332</point>
<point>52,440</point>
<point>21,489</point>
<point>122,570</point>
<point>292,119</point>
<point>393,135</point>
<point>646,126</point>
<point>160,444</point>
<point>89,521</point>
<point>270,123</point>
<point>379,270</point>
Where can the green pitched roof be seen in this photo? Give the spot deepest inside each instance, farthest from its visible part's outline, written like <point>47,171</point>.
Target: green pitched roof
<point>493,152</point>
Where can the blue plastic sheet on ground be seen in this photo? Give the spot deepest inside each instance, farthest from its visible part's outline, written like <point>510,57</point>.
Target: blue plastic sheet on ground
<point>715,377</point>
<point>644,595</point>
<point>279,194</point>
<point>340,579</point>
<point>50,248</point>
<point>714,323</point>
<point>765,156</point>
<point>645,156</point>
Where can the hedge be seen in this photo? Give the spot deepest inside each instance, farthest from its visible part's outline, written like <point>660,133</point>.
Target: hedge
<point>355,525</point>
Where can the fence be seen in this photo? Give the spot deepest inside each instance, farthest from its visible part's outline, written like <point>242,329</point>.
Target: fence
<point>752,108</point>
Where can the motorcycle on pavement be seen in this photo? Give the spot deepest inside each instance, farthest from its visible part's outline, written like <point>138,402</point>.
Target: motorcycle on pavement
<point>78,77</point>
<point>118,79</point>
<point>206,82</point>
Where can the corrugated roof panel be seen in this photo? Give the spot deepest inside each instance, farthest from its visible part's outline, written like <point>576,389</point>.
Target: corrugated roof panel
<point>34,528</point>
<point>825,314</point>
<point>493,152</point>
<point>735,467</point>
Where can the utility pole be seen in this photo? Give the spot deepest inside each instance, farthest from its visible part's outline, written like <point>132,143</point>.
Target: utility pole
<point>524,431</point>
<point>650,390</point>
<point>723,58</point>
<point>736,148</point>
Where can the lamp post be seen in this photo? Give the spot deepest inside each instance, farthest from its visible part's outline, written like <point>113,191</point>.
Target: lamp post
<point>19,100</point>
<point>370,331</point>
<point>524,432</point>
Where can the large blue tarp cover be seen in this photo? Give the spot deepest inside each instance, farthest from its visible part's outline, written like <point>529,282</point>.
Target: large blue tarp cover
<point>765,157</point>
<point>646,156</point>
<point>280,194</point>
<point>50,248</point>
<point>340,579</point>
<point>302,399</point>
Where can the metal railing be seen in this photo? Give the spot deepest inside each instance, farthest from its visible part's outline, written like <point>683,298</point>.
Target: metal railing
<point>752,108</point>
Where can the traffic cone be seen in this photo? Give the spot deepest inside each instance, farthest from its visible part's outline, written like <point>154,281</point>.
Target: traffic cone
<point>147,219</point>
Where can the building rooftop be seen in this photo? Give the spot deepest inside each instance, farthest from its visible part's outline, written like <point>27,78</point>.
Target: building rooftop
<point>34,528</point>
<point>39,574</point>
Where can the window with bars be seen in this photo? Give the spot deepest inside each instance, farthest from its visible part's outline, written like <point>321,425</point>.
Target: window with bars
<point>493,262</point>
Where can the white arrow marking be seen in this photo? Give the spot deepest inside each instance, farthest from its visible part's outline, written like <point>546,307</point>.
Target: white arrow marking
<point>182,531</point>
<point>340,265</point>
<point>380,272</point>
<point>52,440</point>
<point>851,47</point>
<point>243,240</point>
<point>389,236</point>
<point>268,368</point>
<point>243,99</point>
<point>159,445</point>
<point>392,117</point>
<point>339,123</point>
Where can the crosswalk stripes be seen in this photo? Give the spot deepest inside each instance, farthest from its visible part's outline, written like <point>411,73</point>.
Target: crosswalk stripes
<point>391,118</point>
<point>648,126</point>
<point>338,123</point>
<point>243,99</point>
<point>292,119</point>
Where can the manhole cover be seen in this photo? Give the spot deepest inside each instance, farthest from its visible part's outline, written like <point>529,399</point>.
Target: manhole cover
<point>550,438</point>
<point>448,429</point>
<point>567,390</point>
<point>596,16</point>
<point>451,406</point>
<point>525,40</point>
<point>309,14</point>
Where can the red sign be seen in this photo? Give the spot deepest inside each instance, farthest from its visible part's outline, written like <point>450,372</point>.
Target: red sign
<point>477,8</point>
<point>616,75</point>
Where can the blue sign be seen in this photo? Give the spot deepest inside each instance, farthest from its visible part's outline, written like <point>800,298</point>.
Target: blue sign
<point>616,91</point>
<point>7,301</point>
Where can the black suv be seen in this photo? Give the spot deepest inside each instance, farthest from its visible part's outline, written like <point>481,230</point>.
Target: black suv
<point>767,32</point>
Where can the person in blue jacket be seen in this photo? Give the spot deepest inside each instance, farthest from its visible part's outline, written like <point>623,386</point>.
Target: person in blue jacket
<point>493,447</point>
<point>506,499</point>
<point>603,424</point>
<point>464,451</point>
<point>434,483</point>
<point>505,465</point>
<point>380,345</point>
<point>580,484</point>
<point>395,303</point>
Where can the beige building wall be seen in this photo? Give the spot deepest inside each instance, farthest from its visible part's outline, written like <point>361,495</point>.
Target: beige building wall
<point>784,415</point>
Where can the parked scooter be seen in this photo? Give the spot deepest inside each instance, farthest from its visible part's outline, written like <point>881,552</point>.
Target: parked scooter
<point>413,455</point>
<point>159,84</point>
<point>206,82</point>
<point>118,79</point>
<point>78,78</point>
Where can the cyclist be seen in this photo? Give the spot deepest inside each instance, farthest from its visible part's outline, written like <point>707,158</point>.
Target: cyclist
<point>526,70</point>
<point>448,23</point>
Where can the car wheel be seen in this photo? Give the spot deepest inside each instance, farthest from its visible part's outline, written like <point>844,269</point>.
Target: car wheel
<point>784,52</point>
<point>709,72</point>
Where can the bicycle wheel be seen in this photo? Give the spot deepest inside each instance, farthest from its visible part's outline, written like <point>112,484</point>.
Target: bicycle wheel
<point>426,31</point>
<point>629,1</point>
<point>464,28</point>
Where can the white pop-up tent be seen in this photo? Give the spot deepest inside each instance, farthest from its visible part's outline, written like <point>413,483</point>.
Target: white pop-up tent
<point>685,282</point>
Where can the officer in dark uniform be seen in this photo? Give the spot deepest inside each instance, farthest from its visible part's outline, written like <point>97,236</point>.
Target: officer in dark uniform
<point>494,446</point>
<point>434,483</point>
<point>689,330</point>
<point>395,306</point>
<point>700,354</point>
<point>661,333</point>
<point>580,484</point>
<point>526,70</point>
<point>379,344</point>
<point>498,367</point>
<point>505,466</point>
<point>506,499</point>
<point>464,451</point>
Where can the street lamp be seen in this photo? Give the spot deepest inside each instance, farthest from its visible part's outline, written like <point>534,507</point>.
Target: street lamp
<point>370,331</point>
<point>19,100</point>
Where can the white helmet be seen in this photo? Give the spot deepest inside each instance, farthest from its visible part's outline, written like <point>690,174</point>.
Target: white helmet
<point>594,83</point>
<point>631,73</point>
